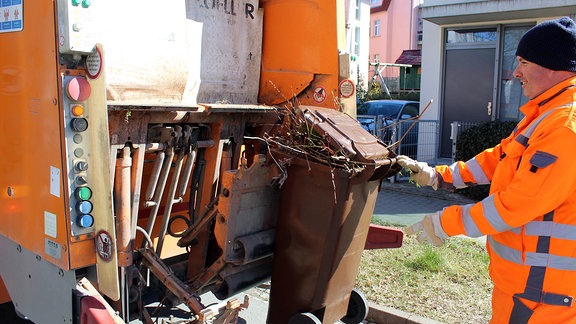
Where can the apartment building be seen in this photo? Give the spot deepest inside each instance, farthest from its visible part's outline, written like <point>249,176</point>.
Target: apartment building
<point>357,17</point>
<point>468,59</point>
<point>395,27</point>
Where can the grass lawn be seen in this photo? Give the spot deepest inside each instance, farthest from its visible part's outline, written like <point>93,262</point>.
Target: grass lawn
<point>448,284</point>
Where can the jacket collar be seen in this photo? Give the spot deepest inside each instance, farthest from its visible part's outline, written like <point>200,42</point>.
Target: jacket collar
<point>558,95</point>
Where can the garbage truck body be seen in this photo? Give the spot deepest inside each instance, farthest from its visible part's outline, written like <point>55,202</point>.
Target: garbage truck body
<point>134,155</point>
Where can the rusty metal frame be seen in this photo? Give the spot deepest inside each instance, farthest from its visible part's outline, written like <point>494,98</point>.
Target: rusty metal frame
<point>130,148</point>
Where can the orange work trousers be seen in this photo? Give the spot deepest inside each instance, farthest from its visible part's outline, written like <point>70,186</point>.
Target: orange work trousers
<point>526,311</point>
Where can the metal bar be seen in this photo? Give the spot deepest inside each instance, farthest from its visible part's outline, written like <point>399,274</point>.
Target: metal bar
<point>113,156</point>
<point>122,206</point>
<point>159,190</point>
<point>170,280</point>
<point>208,275</point>
<point>154,147</point>
<point>190,159</point>
<point>196,186</point>
<point>170,201</point>
<point>190,234</point>
<point>155,175</point>
<point>122,193</point>
<point>137,170</point>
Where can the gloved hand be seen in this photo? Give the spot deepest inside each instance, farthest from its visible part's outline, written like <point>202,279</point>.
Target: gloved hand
<point>422,173</point>
<point>429,229</point>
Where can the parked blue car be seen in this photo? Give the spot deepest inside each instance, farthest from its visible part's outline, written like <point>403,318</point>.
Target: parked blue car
<point>397,118</point>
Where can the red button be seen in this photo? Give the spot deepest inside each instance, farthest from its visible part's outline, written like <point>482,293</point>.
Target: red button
<point>78,89</point>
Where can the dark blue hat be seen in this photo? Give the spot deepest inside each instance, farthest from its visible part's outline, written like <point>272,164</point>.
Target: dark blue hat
<point>551,44</point>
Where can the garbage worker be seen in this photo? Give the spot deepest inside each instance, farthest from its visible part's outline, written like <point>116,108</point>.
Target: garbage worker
<point>529,217</point>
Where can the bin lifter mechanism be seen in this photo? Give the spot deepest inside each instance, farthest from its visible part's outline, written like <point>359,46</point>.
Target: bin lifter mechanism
<point>145,176</point>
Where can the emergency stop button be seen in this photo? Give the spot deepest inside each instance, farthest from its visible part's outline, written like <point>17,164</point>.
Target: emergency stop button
<point>78,89</point>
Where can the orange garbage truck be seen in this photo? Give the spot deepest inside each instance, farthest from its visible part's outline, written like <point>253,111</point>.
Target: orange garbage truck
<point>147,150</point>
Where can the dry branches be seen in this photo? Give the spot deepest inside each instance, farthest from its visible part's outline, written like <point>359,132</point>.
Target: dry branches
<point>296,136</point>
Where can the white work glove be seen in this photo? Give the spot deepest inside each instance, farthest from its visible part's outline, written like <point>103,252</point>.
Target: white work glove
<point>429,229</point>
<point>421,172</point>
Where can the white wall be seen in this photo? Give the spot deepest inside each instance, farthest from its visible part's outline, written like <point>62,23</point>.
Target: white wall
<point>361,64</point>
<point>431,83</point>
<point>431,69</point>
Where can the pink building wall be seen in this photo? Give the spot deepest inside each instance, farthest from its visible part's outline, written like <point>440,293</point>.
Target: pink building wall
<point>399,26</point>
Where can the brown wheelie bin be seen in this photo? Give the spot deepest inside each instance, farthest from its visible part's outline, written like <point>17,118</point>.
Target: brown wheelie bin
<point>325,213</point>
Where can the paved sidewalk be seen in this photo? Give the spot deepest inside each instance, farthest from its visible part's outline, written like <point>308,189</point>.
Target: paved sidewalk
<point>403,203</point>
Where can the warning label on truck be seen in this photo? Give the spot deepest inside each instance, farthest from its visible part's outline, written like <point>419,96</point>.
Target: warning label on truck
<point>94,64</point>
<point>319,94</point>
<point>104,245</point>
<point>346,88</point>
<point>11,16</point>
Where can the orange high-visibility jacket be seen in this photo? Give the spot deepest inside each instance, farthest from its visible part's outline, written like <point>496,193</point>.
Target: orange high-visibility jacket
<point>529,216</point>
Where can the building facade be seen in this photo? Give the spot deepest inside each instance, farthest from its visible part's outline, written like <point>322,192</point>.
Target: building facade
<point>357,22</point>
<point>395,26</point>
<point>468,59</point>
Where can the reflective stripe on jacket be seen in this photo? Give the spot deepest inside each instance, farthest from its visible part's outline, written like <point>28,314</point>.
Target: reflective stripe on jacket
<point>530,214</point>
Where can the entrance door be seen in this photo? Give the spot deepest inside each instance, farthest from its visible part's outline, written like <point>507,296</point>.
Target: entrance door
<point>468,90</point>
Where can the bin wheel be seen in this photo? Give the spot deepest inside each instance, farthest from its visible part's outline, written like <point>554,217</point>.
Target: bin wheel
<point>357,308</point>
<point>304,318</point>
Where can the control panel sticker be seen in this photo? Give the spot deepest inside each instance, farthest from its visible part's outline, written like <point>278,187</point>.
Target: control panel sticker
<point>50,225</point>
<point>55,181</point>
<point>104,245</point>
<point>94,64</point>
<point>52,249</point>
<point>11,16</point>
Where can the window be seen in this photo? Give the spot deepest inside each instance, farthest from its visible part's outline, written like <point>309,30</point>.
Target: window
<point>358,11</point>
<point>511,95</point>
<point>377,27</point>
<point>377,58</point>
<point>471,36</point>
<point>356,40</point>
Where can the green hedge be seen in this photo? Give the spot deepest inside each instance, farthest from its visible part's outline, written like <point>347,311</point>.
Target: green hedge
<point>475,140</point>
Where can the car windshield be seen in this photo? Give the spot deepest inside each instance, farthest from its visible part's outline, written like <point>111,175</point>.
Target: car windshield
<point>387,109</point>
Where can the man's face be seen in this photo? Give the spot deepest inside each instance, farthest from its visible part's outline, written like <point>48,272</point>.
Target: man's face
<point>534,78</point>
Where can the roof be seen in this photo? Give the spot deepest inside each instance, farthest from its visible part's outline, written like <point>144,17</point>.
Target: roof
<point>381,6</point>
<point>412,57</point>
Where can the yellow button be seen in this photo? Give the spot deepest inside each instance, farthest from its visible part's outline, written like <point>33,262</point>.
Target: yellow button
<point>77,110</point>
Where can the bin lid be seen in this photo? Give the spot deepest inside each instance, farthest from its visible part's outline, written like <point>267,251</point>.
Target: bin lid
<point>341,130</point>
<point>332,138</point>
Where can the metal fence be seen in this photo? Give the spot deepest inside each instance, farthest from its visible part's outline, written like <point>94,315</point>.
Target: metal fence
<point>456,128</point>
<point>418,139</point>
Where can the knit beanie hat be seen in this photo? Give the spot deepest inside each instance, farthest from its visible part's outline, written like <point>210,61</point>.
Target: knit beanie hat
<point>551,44</point>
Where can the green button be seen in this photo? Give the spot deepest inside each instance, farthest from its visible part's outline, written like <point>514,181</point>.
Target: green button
<point>75,2</point>
<point>83,193</point>
<point>86,3</point>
